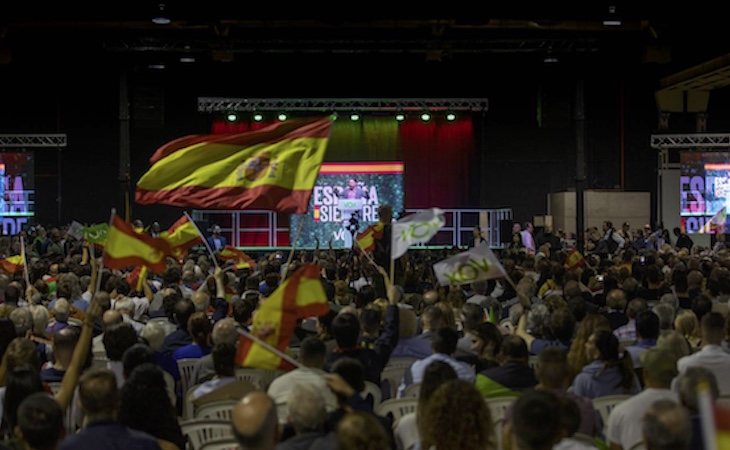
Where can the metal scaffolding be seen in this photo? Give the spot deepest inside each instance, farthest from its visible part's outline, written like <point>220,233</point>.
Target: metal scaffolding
<point>226,104</point>
<point>32,140</point>
<point>685,141</point>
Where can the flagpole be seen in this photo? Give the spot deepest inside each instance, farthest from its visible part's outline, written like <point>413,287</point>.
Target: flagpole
<point>205,241</point>
<point>270,348</point>
<point>294,244</point>
<point>25,262</point>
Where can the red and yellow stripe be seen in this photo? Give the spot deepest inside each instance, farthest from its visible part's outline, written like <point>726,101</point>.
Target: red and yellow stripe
<point>125,247</point>
<point>181,236</point>
<point>12,264</point>
<point>272,168</point>
<point>366,239</point>
<point>242,260</point>
<point>358,168</point>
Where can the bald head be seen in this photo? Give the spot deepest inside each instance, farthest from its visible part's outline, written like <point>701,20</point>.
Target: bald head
<point>225,331</point>
<point>201,301</point>
<point>255,423</point>
<point>111,317</point>
<point>430,297</point>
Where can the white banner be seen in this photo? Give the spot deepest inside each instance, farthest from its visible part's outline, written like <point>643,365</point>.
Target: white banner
<point>479,263</point>
<point>415,229</point>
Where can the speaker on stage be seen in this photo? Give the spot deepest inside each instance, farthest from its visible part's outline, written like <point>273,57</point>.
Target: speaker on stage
<point>505,231</point>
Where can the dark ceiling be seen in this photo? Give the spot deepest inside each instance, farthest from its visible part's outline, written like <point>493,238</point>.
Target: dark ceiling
<point>230,34</point>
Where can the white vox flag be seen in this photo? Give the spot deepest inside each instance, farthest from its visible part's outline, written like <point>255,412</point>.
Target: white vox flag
<point>415,229</point>
<point>479,263</point>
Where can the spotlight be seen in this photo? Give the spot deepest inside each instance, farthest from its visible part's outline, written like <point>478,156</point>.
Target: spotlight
<point>400,117</point>
<point>161,18</point>
<point>450,117</point>
<point>354,117</point>
<point>258,117</point>
<point>425,117</point>
<point>550,60</point>
<point>231,117</point>
<point>282,117</point>
<point>187,59</point>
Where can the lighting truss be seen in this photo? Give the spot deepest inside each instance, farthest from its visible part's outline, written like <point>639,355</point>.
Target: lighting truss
<point>32,140</point>
<point>679,141</point>
<point>226,104</point>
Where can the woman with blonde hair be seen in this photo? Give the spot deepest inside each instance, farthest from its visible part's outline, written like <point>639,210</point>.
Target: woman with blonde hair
<point>688,326</point>
<point>577,355</point>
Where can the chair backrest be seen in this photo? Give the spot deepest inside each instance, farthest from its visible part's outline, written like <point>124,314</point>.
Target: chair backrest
<point>216,410</point>
<point>186,367</point>
<point>390,379</point>
<point>396,408</point>
<point>532,361</point>
<point>221,444</point>
<point>604,405</point>
<point>99,362</point>
<point>498,407</point>
<point>188,407</point>
<point>201,431</point>
<point>258,377</point>
<point>412,391</point>
<point>373,392</point>
<point>400,361</point>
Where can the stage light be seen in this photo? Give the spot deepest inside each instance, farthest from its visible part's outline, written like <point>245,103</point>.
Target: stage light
<point>187,59</point>
<point>282,117</point>
<point>450,117</point>
<point>400,117</point>
<point>354,117</point>
<point>258,117</point>
<point>158,66</point>
<point>161,18</point>
<point>425,117</point>
<point>550,60</point>
<point>231,117</point>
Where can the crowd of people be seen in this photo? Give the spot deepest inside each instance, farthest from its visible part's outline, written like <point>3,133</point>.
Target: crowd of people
<point>641,316</point>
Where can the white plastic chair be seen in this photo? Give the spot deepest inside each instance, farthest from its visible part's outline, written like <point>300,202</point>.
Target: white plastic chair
<point>397,408</point>
<point>372,390</point>
<point>216,410</point>
<point>202,431</point>
<point>604,405</point>
<point>186,367</point>
<point>412,391</point>
<point>222,444</point>
<point>258,377</point>
<point>498,407</point>
<point>390,379</point>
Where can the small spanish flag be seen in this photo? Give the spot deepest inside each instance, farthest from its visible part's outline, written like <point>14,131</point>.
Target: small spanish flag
<point>242,260</point>
<point>181,236</point>
<point>272,168</point>
<point>574,259</point>
<point>137,278</point>
<point>125,247</point>
<point>366,239</point>
<point>12,264</point>
<point>299,296</point>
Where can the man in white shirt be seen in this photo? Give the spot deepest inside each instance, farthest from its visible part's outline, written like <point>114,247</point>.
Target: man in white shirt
<point>312,355</point>
<point>527,238</point>
<point>712,356</point>
<point>624,424</point>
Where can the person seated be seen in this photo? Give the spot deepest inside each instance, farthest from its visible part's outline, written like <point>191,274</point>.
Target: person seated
<point>224,386</point>
<point>535,423</point>
<point>444,345</point>
<point>40,422</point>
<point>99,399</point>
<point>711,356</point>
<point>254,422</point>
<point>64,342</point>
<point>307,415</point>
<point>666,426</point>
<point>200,330</point>
<point>607,373</point>
<point>513,376</point>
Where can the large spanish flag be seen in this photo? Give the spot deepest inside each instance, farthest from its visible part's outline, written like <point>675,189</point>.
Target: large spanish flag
<point>125,247</point>
<point>272,168</point>
<point>12,264</point>
<point>181,236</point>
<point>300,296</point>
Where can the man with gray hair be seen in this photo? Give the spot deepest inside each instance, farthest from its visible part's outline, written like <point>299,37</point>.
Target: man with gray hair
<point>688,386</point>
<point>61,312</point>
<point>307,415</point>
<point>201,300</point>
<point>666,426</point>
<point>125,306</point>
<point>225,331</point>
<point>624,424</point>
